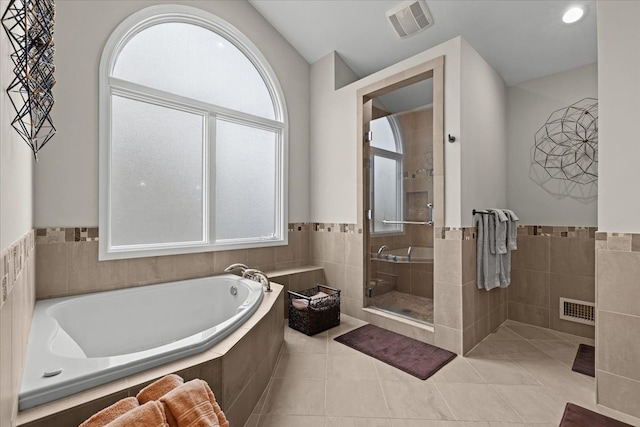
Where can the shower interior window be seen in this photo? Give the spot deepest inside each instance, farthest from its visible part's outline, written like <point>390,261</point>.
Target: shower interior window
<point>386,175</point>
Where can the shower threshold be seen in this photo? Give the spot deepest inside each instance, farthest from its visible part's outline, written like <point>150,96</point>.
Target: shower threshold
<point>411,307</point>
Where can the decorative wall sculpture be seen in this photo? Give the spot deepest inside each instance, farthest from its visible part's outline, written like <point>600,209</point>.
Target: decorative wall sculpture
<point>566,146</point>
<point>29,25</point>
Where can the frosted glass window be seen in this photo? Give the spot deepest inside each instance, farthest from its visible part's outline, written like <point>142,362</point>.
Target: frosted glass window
<point>246,182</point>
<point>156,174</point>
<point>386,193</point>
<point>195,62</point>
<point>193,138</point>
<point>383,135</point>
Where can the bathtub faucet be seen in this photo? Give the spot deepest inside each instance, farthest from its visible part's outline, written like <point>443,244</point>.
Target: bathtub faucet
<point>382,248</point>
<point>258,276</point>
<point>236,266</point>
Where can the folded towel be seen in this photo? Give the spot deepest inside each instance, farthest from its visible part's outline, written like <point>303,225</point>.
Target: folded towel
<point>222,419</point>
<point>498,234</point>
<point>302,304</point>
<point>104,417</point>
<point>189,405</point>
<point>159,388</point>
<point>512,230</point>
<point>148,415</point>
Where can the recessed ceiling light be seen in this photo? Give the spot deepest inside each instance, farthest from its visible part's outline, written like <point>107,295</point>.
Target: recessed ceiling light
<point>573,15</point>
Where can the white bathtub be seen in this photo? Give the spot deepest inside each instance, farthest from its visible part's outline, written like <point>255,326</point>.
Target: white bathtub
<point>96,338</point>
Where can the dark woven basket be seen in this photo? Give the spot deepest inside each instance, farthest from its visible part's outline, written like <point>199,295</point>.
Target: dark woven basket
<point>319,315</point>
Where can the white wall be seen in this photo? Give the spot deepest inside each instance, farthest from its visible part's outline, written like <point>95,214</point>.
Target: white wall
<point>482,138</point>
<point>529,105</point>
<point>66,179</point>
<point>334,196</point>
<point>619,115</point>
<point>16,161</point>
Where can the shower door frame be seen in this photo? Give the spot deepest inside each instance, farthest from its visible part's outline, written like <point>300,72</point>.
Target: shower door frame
<point>432,69</point>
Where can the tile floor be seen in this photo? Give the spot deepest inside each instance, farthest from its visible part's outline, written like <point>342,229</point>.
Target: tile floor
<point>518,376</point>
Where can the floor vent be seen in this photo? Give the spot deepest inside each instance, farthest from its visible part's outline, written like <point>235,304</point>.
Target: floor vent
<point>577,311</point>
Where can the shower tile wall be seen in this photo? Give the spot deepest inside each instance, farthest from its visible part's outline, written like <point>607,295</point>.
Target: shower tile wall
<point>464,314</point>
<point>618,321</point>
<point>552,262</point>
<point>67,262</point>
<point>17,298</point>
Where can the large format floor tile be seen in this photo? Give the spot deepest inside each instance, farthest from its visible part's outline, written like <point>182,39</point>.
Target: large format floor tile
<point>520,375</point>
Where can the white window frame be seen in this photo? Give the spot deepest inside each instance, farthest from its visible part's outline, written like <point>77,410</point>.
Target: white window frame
<point>109,86</point>
<point>398,157</point>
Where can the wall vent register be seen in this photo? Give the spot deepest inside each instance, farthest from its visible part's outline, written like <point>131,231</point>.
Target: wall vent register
<point>577,311</point>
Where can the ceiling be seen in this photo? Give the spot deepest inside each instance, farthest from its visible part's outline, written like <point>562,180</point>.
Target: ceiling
<point>521,39</point>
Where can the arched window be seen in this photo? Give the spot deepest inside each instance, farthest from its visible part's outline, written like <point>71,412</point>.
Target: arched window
<point>386,175</point>
<point>193,138</point>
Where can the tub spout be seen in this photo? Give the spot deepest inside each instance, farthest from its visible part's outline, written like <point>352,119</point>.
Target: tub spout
<point>258,276</point>
<point>236,266</point>
<point>382,248</point>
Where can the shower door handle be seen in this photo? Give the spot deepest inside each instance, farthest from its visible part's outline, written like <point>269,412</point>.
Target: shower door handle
<point>430,207</point>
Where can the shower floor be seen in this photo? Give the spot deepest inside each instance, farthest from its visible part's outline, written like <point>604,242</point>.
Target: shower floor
<point>405,305</point>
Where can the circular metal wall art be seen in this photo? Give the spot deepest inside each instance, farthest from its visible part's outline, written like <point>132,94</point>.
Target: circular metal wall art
<point>566,146</point>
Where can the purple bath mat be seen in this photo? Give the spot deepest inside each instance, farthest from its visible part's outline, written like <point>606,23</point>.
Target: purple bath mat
<point>585,361</point>
<point>577,416</point>
<point>411,356</point>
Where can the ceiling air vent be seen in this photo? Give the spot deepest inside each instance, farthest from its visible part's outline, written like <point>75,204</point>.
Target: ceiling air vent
<point>410,18</point>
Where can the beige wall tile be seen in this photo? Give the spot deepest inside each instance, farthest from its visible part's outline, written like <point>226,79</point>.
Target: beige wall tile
<point>617,349</point>
<point>619,243</point>
<point>353,249</point>
<point>334,247</point>
<point>573,256</point>
<point>470,304</point>
<point>262,258</point>
<point>449,338</point>
<point>448,305</point>
<point>83,267</point>
<point>569,286</point>
<point>532,253</point>
<point>112,274</point>
<point>618,287</point>
<point>316,245</point>
<point>573,328</point>
<point>7,393</point>
<point>144,271</point>
<point>529,287</point>
<point>335,274</point>
<point>538,316</point>
<point>618,393</point>
<point>223,259</point>
<point>448,262</point>
<point>194,265</point>
<point>292,251</point>
<point>470,338</point>
<point>354,282</point>
<point>52,270</point>
<point>469,266</point>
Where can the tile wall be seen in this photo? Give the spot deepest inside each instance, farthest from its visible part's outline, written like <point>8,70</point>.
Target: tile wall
<point>618,321</point>
<point>464,314</point>
<point>67,262</point>
<point>552,262</point>
<point>17,298</point>
<point>338,249</point>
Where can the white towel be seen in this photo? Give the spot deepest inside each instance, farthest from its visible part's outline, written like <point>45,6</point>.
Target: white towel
<point>512,230</point>
<point>497,233</point>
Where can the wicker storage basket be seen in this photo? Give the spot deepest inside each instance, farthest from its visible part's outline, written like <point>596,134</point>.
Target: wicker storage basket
<point>314,315</point>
